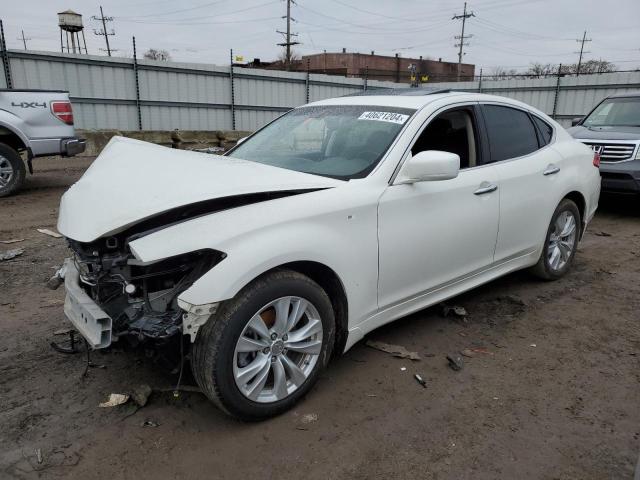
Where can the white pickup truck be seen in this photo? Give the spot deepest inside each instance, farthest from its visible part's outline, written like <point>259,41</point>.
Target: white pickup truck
<point>33,123</point>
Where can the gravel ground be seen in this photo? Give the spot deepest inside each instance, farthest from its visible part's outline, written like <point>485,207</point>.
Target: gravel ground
<point>553,391</point>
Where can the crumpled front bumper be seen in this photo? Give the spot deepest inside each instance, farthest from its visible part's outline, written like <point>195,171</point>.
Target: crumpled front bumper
<point>85,314</point>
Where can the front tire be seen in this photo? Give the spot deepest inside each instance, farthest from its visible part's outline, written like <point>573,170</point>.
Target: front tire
<point>561,242</point>
<point>265,348</point>
<point>12,171</point>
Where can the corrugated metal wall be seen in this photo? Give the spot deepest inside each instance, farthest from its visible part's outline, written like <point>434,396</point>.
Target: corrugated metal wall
<point>572,96</point>
<point>171,94</point>
<point>198,97</point>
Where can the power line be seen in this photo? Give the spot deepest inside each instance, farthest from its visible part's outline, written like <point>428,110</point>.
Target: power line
<point>288,43</point>
<point>24,40</point>
<point>104,31</point>
<point>462,37</point>
<point>584,39</point>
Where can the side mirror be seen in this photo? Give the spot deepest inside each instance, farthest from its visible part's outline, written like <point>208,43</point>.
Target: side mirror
<point>430,165</point>
<point>576,121</point>
<point>240,140</point>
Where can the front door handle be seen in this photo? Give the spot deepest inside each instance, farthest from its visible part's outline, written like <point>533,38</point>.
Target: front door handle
<point>486,187</point>
<point>551,169</point>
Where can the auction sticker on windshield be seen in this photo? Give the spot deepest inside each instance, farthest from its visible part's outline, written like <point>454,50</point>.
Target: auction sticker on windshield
<point>384,117</point>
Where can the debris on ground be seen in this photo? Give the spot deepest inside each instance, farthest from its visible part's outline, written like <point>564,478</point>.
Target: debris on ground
<point>602,234</point>
<point>51,233</point>
<point>395,350</point>
<point>420,380</point>
<point>114,400</point>
<point>13,240</point>
<point>150,423</point>
<point>512,299</point>
<point>63,331</point>
<point>403,368</point>
<point>457,310</point>
<point>140,395</point>
<point>480,350</point>
<point>9,254</point>
<point>306,420</point>
<point>467,352</point>
<point>455,362</point>
<point>533,345</point>
<point>39,455</point>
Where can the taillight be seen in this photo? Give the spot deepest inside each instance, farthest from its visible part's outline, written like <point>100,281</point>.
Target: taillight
<point>596,159</point>
<point>63,111</point>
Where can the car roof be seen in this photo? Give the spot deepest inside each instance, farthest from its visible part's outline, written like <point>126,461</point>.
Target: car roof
<point>414,98</point>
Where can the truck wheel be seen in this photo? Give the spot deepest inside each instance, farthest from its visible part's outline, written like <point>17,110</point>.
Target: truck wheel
<point>265,347</point>
<point>561,242</point>
<point>12,170</point>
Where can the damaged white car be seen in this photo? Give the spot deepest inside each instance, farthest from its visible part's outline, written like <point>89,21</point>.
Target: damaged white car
<point>336,218</point>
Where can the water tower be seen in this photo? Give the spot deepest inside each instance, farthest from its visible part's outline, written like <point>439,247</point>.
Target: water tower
<point>70,23</point>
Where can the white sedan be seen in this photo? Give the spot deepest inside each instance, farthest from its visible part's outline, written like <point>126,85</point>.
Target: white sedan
<point>336,218</point>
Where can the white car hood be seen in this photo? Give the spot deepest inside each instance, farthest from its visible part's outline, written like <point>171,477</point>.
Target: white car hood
<point>133,180</point>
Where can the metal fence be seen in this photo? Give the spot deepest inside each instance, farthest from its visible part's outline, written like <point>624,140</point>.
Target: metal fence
<point>563,97</point>
<point>131,94</point>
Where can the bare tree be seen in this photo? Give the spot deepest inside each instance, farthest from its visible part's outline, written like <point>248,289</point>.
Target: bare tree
<point>295,56</point>
<point>591,66</point>
<point>503,73</point>
<point>157,54</point>
<point>540,69</point>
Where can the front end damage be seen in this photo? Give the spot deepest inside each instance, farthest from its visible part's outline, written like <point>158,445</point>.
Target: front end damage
<point>113,296</point>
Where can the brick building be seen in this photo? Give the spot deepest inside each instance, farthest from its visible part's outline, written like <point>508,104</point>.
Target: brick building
<point>381,67</point>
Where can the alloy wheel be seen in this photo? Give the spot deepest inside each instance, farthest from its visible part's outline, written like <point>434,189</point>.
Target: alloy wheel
<point>562,240</point>
<point>278,349</point>
<point>6,171</point>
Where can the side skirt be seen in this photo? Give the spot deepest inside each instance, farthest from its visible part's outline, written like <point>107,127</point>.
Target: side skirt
<point>438,294</point>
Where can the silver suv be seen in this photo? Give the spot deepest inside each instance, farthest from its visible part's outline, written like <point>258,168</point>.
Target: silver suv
<point>33,123</point>
<point>612,129</point>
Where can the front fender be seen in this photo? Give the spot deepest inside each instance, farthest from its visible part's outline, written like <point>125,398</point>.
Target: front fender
<point>258,238</point>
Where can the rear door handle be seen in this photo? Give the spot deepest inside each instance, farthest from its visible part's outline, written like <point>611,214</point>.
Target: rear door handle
<point>486,187</point>
<point>551,169</point>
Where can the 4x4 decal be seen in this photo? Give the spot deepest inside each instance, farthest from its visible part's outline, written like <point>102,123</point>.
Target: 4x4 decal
<point>29,104</point>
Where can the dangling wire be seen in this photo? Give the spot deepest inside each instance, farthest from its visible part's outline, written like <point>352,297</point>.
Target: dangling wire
<point>176,391</point>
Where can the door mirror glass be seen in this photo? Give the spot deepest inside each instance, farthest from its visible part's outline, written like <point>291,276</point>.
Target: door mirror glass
<point>576,121</point>
<point>430,165</point>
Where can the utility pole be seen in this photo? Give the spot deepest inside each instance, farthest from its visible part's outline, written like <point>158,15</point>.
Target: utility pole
<point>288,43</point>
<point>104,31</point>
<point>24,40</point>
<point>584,39</point>
<point>462,36</point>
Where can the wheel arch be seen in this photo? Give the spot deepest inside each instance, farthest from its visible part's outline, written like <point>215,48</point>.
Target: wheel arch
<point>581,203</point>
<point>331,283</point>
<point>12,138</point>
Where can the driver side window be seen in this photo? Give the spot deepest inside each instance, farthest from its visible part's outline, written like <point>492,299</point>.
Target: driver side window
<point>451,131</point>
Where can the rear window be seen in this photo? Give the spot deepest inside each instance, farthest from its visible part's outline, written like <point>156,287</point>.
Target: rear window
<point>546,130</point>
<point>511,132</point>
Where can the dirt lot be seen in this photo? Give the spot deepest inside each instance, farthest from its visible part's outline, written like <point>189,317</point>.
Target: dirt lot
<point>555,396</point>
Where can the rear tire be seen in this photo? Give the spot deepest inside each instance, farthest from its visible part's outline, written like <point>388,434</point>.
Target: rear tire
<point>248,365</point>
<point>12,171</point>
<point>560,243</point>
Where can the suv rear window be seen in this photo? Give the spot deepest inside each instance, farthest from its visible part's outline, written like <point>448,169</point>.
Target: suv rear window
<point>511,132</point>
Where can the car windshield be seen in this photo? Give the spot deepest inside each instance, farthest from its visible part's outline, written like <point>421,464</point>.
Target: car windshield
<point>342,142</point>
<point>615,112</point>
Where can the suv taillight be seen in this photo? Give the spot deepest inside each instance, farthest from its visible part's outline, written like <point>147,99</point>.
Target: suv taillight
<point>596,159</point>
<point>63,111</point>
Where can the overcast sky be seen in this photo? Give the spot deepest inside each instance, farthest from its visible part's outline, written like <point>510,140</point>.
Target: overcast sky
<point>506,33</point>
